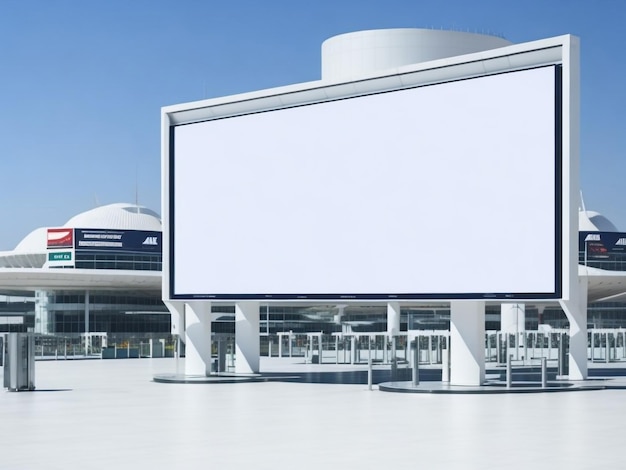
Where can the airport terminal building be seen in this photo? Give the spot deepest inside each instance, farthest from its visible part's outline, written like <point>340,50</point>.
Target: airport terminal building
<point>98,274</point>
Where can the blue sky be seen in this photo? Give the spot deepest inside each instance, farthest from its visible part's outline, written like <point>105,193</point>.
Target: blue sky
<point>83,82</point>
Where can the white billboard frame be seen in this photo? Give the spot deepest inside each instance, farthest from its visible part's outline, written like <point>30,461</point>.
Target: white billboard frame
<point>561,52</point>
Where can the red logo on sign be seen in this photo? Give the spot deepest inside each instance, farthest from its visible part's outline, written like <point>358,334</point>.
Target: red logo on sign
<point>60,238</point>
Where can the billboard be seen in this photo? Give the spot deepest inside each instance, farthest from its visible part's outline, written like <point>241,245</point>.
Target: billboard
<point>60,238</point>
<point>117,240</point>
<point>445,189</point>
<point>601,245</point>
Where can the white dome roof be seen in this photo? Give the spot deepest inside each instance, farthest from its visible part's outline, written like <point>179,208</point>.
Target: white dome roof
<point>590,221</point>
<point>120,216</point>
<point>35,241</point>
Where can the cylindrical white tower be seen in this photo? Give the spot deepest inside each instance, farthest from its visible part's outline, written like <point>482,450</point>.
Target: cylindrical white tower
<point>358,54</point>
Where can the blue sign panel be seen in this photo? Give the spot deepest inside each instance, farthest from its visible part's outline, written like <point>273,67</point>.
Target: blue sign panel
<point>117,240</point>
<point>600,245</point>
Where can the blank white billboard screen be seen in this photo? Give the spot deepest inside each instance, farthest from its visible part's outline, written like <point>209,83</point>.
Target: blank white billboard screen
<point>442,191</point>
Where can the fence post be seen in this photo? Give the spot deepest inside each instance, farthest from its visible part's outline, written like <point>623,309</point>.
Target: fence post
<point>509,375</point>
<point>416,365</point>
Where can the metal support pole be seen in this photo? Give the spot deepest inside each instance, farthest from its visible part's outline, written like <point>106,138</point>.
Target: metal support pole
<point>544,373</point>
<point>416,367</point>
<point>593,345</point>
<point>509,375</point>
<point>430,349</point>
<point>498,347</point>
<point>320,347</point>
<point>385,353</point>
<point>86,323</point>
<point>290,344</point>
<point>445,365</point>
<point>369,373</point>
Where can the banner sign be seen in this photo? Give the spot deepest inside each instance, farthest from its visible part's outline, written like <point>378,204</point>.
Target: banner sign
<point>117,240</point>
<point>599,245</point>
<point>60,256</point>
<point>60,259</point>
<point>60,238</point>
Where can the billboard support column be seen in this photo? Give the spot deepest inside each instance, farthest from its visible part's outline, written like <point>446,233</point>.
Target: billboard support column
<point>198,338</point>
<point>247,337</point>
<point>467,343</point>
<point>87,323</point>
<point>393,318</point>
<point>513,321</point>
<point>512,318</point>
<point>177,320</point>
<point>177,312</point>
<point>576,311</point>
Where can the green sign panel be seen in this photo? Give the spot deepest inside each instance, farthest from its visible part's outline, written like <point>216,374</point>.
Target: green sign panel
<point>60,256</point>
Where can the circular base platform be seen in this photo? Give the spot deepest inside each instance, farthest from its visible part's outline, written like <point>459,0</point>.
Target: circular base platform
<point>220,378</point>
<point>491,387</point>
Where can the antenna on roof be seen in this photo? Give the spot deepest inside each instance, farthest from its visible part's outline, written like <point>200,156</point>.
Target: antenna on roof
<point>582,202</point>
<point>137,188</point>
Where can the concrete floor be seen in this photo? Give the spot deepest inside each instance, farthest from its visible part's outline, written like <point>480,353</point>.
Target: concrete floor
<point>97,414</point>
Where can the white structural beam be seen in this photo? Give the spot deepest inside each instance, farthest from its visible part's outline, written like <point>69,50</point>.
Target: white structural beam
<point>198,338</point>
<point>576,311</point>
<point>247,346</point>
<point>393,318</point>
<point>177,312</point>
<point>467,343</point>
<point>87,339</point>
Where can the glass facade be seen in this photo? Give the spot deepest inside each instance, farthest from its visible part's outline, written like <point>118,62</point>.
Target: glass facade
<point>127,261</point>
<point>111,312</point>
<point>602,250</point>
<point>116,312</point>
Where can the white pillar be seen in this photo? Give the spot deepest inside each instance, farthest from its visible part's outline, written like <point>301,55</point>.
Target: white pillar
<point>177,322</point>
<point>512,318</point>
<point>320,345</point>
<point>393,318</point>
<point>352,349</point>
<point>467,343</point>
<point>576,311</point>
<point>86,322</point>
<point>247,347</point>
<point>513,322</point>
<point>198,337</point>
<point>177,312</point>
